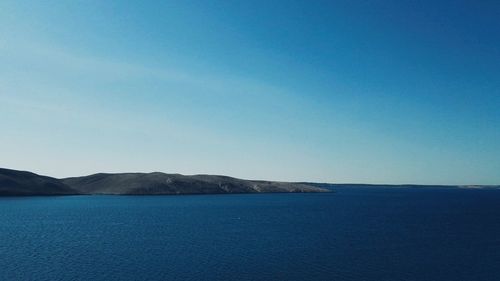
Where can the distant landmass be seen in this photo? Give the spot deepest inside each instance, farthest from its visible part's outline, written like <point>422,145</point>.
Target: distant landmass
<point>23,183</point>
<point>161,183</point>
<point>333,186</point>
<point>19,183</point>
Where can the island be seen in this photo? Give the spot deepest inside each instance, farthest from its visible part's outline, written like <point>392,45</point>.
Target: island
<point>23,183</point>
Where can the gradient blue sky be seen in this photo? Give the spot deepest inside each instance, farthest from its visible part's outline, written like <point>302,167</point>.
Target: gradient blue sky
<point>335,91</point>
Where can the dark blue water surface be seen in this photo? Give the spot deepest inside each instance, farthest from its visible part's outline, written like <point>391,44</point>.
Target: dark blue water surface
<point>353,234</point>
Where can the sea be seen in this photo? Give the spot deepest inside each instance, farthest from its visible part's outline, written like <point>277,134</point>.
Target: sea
<point>351,234</point>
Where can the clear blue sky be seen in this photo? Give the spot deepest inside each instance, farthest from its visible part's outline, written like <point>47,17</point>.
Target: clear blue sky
<point>335,91</point>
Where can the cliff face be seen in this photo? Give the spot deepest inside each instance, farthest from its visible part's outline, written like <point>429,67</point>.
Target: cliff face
<point>19,183</point>
<point>160,183</point>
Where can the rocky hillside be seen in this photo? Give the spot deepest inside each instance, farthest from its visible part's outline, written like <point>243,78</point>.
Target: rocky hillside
<point>18,183</point>
<point>161,183</point>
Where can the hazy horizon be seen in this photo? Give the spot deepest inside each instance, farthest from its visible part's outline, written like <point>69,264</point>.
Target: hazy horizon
<point>344,92</point>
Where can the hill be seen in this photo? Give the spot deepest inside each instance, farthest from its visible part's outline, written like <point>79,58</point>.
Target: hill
<point>15,183</point>
<point>161,183</point>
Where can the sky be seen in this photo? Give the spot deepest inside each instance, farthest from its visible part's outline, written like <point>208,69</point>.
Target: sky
<point>327,91</point>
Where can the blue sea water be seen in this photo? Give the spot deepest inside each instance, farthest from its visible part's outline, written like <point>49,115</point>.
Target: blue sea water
<point>353,234</point>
